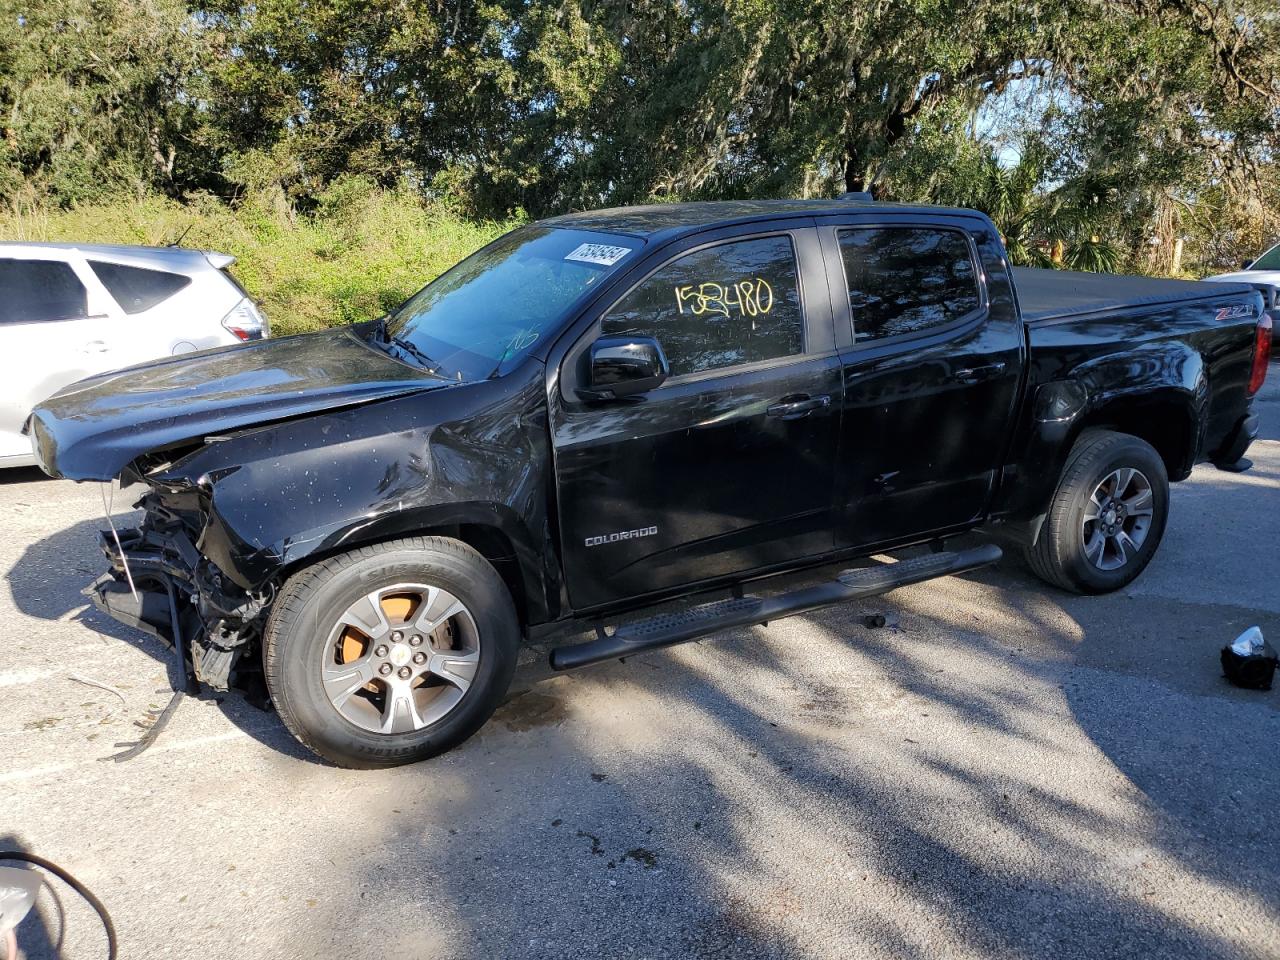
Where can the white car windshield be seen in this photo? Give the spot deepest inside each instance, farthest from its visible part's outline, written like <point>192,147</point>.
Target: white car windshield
<point>1268,261</point>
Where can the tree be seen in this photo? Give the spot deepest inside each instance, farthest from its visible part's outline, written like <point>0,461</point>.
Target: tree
<point>96,96</point>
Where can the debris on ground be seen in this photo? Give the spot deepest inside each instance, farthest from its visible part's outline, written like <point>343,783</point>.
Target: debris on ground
<point>153,730</point>
<point>90,682</point>
<point>1249,661</point>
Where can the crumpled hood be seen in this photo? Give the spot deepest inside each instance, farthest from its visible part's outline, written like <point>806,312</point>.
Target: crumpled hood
<point>93,429</point>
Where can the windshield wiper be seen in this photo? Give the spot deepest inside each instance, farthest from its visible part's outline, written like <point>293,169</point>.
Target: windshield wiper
<point>406,346</point>
<point>417,354</point>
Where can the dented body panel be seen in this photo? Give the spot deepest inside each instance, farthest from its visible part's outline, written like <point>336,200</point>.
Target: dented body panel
<point>265,458</point>
<point>93,429</point>
<point>471,454</point>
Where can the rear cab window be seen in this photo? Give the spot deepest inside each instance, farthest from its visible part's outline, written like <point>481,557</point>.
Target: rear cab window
<point>726,305</point>
<point>907,280</point>
<point>137,289</point>
<point>40,291</point>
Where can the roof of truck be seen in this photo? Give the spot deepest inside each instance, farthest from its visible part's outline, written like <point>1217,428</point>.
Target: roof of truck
<point>649,220</point>
<point>1052,294</point>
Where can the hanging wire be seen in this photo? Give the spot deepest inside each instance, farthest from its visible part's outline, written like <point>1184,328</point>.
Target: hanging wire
<point>124,561</point>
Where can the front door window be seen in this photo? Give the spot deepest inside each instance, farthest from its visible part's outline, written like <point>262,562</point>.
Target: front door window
<point>721,306</point>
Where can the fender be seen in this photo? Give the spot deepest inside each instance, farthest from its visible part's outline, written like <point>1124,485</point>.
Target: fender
<point>278,496</point>
<point>1139,388</point>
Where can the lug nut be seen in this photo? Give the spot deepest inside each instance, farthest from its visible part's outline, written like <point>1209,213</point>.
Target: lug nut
<point>381,651</point>
<point>396,636</point>
<point>385,669</point>
<point>415,641</point>
<point>404,673</point>
<point>419,657</point>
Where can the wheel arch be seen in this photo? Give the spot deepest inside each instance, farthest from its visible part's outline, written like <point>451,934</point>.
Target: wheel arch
<point>492,530</point>
<point>1158,392</point>
<point>1165,419</point>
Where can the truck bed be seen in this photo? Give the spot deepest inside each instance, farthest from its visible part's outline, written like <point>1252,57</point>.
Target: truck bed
<point>1048,295</point>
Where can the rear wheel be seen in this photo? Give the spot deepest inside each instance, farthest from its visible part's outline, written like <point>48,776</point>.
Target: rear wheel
<point>391,653</point>
<point>1107,516</point>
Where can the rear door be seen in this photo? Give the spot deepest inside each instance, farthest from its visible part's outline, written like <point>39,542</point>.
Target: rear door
<point>147,327</point>
<point>54,329</point>
<point>728,466</point>
<point>932,348</point>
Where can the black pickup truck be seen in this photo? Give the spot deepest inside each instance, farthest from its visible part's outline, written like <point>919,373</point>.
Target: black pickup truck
<point>600,411</point>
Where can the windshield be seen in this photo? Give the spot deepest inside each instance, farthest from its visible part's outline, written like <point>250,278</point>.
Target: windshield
<point>1269,260</point>
<point>484,315</point>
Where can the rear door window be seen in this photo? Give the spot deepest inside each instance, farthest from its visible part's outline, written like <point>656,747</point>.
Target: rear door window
<point>907,280</point>
<point>37,291</point>
<point>721,306</point>
<point>135,288</point>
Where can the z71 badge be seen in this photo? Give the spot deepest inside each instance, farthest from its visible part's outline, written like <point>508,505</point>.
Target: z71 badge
<point>1234,313</point>
<point>621,535</point>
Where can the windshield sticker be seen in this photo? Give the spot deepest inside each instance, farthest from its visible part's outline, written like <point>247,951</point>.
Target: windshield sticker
<point>751,298</point>
<point>601,253</point>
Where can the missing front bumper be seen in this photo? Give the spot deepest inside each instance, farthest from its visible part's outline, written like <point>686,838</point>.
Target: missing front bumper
<point>160,583</point>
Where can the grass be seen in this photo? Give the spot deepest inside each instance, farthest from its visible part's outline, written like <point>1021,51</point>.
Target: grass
<point>360,253</point>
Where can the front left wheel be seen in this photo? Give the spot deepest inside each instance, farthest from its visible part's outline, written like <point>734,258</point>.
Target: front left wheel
<point>391,653</point>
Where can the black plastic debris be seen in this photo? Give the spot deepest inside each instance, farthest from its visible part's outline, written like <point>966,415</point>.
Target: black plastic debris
<point>873,621</point>
<point>1250,661</point>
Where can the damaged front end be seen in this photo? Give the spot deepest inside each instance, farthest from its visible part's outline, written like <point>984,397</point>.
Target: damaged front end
<point>160,583</point>
<point>258,462</point>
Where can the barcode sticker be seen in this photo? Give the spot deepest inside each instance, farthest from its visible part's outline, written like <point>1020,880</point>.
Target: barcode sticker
<point>601,253</point>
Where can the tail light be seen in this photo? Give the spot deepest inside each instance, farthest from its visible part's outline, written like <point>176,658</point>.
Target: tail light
<point>1261,351</point>
<point>246,321</point>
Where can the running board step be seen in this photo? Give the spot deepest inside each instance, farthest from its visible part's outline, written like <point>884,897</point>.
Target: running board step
<point>668,629</point>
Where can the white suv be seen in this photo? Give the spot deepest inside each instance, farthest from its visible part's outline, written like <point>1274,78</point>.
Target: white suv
<point>70,311</point>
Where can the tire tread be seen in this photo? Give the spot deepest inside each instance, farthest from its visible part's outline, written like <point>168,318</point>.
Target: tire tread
<point>1045,557</point>
<point>304,583</point>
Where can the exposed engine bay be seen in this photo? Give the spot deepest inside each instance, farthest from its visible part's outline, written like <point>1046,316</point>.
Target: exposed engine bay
<point>161,583</point>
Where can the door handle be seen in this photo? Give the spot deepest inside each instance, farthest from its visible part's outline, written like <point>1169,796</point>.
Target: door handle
<point>978,374</point>
<point>793,408</point>
<point>95,346</point>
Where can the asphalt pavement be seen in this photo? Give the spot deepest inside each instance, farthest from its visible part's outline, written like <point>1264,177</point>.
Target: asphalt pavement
<point>1005,771</point>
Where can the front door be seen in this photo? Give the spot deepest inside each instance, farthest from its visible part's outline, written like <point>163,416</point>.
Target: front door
<point>53,332</point>
<point>933,355</point>
<point>728,466</point>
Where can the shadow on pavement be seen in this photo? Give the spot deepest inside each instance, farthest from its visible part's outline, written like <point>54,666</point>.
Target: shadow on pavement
<point>46,583</point>
<point>819,788</point>
<point>13,475</point>
<point>657,833</point>
<point>665,840</point>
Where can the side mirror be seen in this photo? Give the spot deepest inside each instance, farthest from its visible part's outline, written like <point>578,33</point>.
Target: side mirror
<point>1246,265</point>
<point>625,366</point>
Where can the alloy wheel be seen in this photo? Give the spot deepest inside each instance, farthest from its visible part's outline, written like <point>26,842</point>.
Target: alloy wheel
<point>400,658</point>
<point>1117,518</point>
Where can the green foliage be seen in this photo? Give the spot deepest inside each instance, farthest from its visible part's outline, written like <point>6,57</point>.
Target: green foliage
<point>361,252</point>
<point>95,97</point>
<point>1137,122</point>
